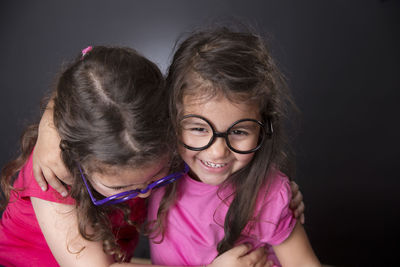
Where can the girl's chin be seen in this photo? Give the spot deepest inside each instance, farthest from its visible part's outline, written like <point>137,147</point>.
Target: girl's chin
<point>211,178</point>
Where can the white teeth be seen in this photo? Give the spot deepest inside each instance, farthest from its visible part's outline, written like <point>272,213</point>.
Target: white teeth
<point>213,165</point>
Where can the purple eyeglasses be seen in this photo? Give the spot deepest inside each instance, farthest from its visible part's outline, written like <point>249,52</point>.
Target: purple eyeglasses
<point>124,196</point>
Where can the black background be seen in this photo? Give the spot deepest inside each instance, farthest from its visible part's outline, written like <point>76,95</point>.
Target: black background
<point>342,61</point>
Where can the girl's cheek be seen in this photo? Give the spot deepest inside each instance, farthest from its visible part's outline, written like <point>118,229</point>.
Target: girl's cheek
<point>245,158</point>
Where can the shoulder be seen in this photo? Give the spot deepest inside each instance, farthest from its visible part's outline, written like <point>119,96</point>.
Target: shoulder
<point>276,190</point>
<point>273,219</point>
<point>28,187</point>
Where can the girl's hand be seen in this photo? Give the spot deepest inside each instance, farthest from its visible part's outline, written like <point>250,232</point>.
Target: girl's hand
<point>48,166</point>
<point>239,256</point>
<point>297,204</point>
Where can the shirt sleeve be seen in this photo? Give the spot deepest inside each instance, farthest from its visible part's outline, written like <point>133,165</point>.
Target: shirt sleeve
<point>273,221</point>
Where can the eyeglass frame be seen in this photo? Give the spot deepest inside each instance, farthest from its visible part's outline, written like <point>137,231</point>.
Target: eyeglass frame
<point>225,134</point>
<point>127,195</point>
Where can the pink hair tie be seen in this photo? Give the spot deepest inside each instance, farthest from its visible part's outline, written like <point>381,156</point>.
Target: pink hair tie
<point>86,50</point>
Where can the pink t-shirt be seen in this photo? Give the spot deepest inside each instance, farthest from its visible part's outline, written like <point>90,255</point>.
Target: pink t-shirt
<point>195,222</point>
<point>22,243</point>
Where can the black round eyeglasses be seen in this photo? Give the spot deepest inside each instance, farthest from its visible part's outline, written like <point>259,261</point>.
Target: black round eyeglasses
<point>243,136</point>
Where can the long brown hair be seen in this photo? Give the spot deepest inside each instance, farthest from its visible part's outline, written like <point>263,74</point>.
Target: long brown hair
<point>109,109</point>
<point>238,66</point>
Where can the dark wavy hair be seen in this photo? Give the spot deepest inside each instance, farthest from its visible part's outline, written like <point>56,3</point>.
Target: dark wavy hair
<point>109,109</point>
<point>238,66</point>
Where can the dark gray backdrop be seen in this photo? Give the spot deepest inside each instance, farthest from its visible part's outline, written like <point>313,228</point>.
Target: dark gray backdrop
<point>342,61</point>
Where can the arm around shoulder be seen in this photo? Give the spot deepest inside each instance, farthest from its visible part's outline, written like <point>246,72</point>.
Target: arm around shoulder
<point>48,166</point>
<point>296,250</point>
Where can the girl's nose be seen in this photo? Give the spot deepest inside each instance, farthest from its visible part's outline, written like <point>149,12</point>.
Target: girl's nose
<point>218,149</point>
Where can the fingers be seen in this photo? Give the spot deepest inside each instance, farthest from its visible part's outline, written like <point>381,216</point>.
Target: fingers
<point>302,218</point>
<point>294,187</point>
<point>242,256</point>
<point>256,257</point>
<point>297,204</point>
<point>296,200</point>
<point>262,262</point>
<point>299,210</point>
<point>47,175</point>
<point>232,257</point>
<point>54,182</point>
<point>37,173</point>
<point>297,196</point>
<point>240,250</point>
<point>269,264</point>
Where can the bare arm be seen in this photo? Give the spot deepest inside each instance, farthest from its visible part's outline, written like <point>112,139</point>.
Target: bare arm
<point>296,250</point>
<point>59,225</point>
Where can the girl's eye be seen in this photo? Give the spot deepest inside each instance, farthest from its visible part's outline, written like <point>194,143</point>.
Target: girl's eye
<point>239,132</point>
<point>118,188</point>
<point>198,129</point>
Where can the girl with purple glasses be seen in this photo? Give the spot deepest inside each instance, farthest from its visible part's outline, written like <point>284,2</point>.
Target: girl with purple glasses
<point>108,113</point>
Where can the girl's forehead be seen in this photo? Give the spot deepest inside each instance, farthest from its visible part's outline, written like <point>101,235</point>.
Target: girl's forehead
<point>220,111</point>
<point>220,108</point>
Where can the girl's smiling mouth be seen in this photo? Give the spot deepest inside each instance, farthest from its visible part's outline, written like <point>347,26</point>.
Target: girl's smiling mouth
<point>213,165</point>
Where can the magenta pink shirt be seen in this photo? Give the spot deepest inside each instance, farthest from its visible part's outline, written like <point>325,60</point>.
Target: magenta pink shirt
<point>195,223</point>
<point>22,243</point>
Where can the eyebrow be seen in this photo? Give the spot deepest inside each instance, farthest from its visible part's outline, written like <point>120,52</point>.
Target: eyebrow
<point>244,126</point>
<point>129,185</point>
<point>194,123</point>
